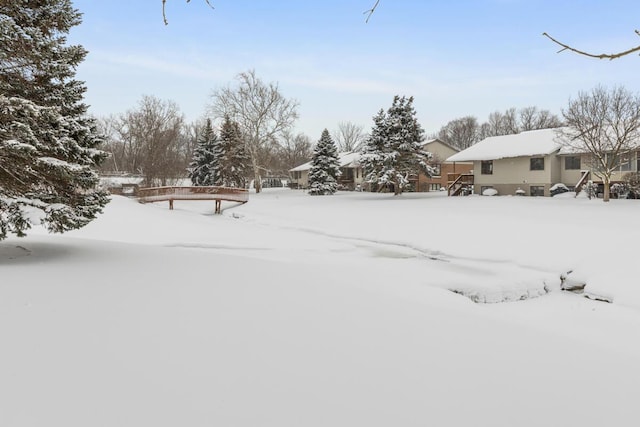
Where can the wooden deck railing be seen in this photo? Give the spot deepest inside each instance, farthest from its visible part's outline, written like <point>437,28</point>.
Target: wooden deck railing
<point>582,181</point>
<point>457,182</point>
<point>163,194</point>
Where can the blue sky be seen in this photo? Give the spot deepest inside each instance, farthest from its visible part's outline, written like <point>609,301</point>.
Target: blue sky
<point>456,58</point>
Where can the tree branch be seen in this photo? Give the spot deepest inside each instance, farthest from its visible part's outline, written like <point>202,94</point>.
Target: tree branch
<point>369,12</point>
<point>591,55</point>
<point>164,15</point>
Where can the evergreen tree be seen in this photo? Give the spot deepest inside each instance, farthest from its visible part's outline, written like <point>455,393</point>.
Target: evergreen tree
<point>203,166</point>
<point>393,152</point>
<point>325,168</point>
<point>48,145</point>
<point>232,155</point>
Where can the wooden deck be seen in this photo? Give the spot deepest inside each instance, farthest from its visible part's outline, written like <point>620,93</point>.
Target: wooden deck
<point>459,183</point>
<point>163,194</point>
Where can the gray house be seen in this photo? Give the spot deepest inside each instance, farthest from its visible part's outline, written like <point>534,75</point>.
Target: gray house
<point>532,162</point>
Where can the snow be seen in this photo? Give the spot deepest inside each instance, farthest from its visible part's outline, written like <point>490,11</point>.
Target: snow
<point>491,192</point>
<point>531,143</point>
<point>60,163</point>
<point>558,186</point>
<point>348,159</point>
<point>294,310</point>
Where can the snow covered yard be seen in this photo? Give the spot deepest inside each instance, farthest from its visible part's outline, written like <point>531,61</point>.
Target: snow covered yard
<point>294,310</point>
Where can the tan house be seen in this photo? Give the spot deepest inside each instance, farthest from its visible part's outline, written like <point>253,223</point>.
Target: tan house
<point>350,179</point>
<point>441,151</point>
<point>353,178</point>
<point>531,163</point>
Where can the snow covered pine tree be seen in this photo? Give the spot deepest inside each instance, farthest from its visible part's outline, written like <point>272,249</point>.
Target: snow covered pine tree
<point>325,168</point>
<point>203,167</point>
<point>394,150</point>
<point>232,156</point>
<point>48,145</point>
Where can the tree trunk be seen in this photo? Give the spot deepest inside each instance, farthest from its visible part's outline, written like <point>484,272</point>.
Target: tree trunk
<point>257,179</point>
<point>605,196</point>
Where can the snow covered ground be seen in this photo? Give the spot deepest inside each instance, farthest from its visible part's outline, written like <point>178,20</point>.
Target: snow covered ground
<point>294,310</point>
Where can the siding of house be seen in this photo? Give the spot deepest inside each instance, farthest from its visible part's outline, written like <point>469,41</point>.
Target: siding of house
<point>351,177</point>
<point>514,173</point>
<point>556,164</point>
<point>300,179</point>
<point>570,177</point>
<point>441,152</point>
<point>512,155</point>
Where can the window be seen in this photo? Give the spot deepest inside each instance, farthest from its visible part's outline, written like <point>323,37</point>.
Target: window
<point>537,190</point>
<point>536,164</point>
<point>436,169</point>
<point>572,163</point>
<point>486,167</point>
<point>627,162</point>
<point>434,187</point>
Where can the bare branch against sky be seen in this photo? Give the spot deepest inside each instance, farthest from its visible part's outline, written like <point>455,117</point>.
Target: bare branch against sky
<point>592,55</point>
<point>164,15</point>
<point>369,12</point>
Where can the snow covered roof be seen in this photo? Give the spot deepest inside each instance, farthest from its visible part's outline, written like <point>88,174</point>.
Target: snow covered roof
<point>302,167</point>
<point>346,160</point>
<point>530,143</point>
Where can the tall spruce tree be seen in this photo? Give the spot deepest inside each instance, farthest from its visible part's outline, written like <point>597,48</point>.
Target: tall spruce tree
<point>48,145</point>
<point>233,158</point>
<point>325,168</point>
<point>203,167</point>
<point>393,152</point>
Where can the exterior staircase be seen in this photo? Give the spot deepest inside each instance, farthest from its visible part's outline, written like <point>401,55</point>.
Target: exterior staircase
<point>584,178</point>
<point>457,183</point>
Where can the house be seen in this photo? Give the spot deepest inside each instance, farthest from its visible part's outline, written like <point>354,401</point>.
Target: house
<point>350,179</point>
<point>531,163</point>
<point>121,183</point>
<point>353,178</point>
<point>445,171</point>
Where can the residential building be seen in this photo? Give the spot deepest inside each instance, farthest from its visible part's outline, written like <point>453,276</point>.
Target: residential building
<point>350,179</point>
<point>532,162</point>
<point>444,169</point>
<point>353,178</point>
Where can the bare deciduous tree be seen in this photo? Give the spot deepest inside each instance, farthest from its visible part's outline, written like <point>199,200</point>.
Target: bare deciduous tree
<point>509,122</point>
<point>594,55</point>
<point>514,121</point>
<point>605,124</point>
<point>109,129</point>
<point>149,140</point>
<point>293,150</point>
<point>494,126</point>
<point>461,133</point>
<point>262,113</point>
<point>531,118</point>
<point>349,136</point>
